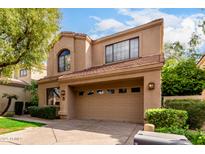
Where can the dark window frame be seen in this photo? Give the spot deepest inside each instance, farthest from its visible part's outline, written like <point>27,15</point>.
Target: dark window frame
<point>23,72</point>
<point>122,92</point>
<point>64,62</point>
<point>106,62</point>
<point>110,91</point>
<point>135,89</point>
<point>81,93</point>
<point>90,92</point>
<point>100,91</point>
<point>47,93</point>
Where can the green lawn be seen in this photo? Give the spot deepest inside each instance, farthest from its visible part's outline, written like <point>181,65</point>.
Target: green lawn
<point>9,125</point>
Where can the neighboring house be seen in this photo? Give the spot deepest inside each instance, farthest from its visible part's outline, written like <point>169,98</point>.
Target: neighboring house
<point>12,87</point>
<point>28,75</point>
<point>201,62</point>
<point>116,77</point>
<point>16,85</point>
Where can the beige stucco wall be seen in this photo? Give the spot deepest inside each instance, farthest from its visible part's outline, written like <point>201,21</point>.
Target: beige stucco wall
<point>197,97</point>
<point>63,43</point>
<point>149,44</point>
<point>88,54</point>
<point>26,78</point>
<point>152,98</point>
<point>80,55</point>
<point>12,90</point>
<point>85,54</point>
<point>36,75</point>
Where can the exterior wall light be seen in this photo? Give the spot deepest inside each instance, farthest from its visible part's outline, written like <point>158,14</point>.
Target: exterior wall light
<point>151,85</point>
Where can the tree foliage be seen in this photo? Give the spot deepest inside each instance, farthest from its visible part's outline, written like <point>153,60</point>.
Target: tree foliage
<point>174,51</point>
<point>182,78</point>
<point>33,89</point>
<point>180,74</point>
<point>179,51</point>
<point>26,36</point>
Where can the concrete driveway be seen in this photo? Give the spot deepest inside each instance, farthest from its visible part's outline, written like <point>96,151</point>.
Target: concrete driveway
<point>73,132</point>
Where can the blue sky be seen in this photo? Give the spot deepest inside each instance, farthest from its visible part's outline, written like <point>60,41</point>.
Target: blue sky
<point>179,23</point>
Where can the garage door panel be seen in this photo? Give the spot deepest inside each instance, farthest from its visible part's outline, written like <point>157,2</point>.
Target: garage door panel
<point>118,106</point>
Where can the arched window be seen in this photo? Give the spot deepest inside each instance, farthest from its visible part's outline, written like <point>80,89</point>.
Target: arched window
<point>64,61</point>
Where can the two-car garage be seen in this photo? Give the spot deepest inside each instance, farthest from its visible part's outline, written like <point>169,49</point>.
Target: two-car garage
<point>117,100</point>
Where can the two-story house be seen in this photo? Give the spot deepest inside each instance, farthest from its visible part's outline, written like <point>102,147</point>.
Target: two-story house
<point>116,77</point>
<point>15,85</point>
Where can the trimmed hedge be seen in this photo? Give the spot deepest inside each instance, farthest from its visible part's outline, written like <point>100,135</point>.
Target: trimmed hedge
<point>49,112</point>
<point>166,117</point>
<point>194,108</point>
<point>195,137</point>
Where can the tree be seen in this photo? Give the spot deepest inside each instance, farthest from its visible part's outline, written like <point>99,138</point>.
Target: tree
<point>181,51</point>
<point>180,74</point>
<point>26,36</point>
<point>174,51</point>
<point>9,97</point>
<point>33,89</point>
<point>182,78</point>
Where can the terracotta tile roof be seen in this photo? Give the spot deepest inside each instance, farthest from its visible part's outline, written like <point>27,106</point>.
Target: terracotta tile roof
<point>116,66</point>
<point>50,78</point>
<point>13,82</point>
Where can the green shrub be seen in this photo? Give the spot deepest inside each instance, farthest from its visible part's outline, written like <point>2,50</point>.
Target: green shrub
<point>166,117</point>
<point>194,108</point>
<point>34,111</point>
<point>182,77</point>
<point>49,112</point>
<point>33,89</point>
<point>195,137</point>
<point>27,105</point>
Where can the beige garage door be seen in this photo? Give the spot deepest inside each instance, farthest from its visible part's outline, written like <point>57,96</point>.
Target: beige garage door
<point>120,101</point>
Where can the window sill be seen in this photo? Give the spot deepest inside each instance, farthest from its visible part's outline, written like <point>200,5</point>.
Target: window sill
<point>119,61</point>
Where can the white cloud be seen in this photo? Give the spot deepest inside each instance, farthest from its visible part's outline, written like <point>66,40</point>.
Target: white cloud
<point>142,16</point>
<point>176,27</point>
<point>102,26</point>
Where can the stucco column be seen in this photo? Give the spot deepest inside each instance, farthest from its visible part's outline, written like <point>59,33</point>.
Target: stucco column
<point>67,102</point>
<point>70,102</point>
<point>63,101</point>
<point>152,98</point>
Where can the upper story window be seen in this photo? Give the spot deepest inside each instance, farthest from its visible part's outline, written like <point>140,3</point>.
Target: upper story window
<point>23,72</point>
<point>122,50</point>
<point>64,59</point>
